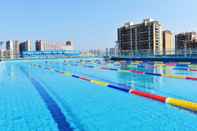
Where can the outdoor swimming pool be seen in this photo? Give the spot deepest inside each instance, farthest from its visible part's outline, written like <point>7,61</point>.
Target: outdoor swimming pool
<point>74,94</point>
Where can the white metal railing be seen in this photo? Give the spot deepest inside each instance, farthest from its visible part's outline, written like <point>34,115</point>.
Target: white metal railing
<point>7,55</point>
<point>157,53</point>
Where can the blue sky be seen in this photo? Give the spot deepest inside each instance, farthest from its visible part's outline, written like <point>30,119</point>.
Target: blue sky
<point>89,23</point>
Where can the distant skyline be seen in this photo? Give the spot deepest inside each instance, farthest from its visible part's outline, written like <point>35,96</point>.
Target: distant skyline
<point>91,23</point>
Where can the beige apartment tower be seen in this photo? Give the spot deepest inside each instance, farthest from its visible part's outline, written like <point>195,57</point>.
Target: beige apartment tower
<point>168,43</point>
<point>142,38</point>
<point>12,47</point>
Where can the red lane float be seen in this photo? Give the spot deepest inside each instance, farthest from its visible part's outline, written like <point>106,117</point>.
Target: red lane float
<point>83,78</point>
<point>191,78</point>
<point>172,101</point>
<point>104,68</point>
<point>136,72</point>
<point>171,64</point>
<point>193,70</point>
<point>148,95</point>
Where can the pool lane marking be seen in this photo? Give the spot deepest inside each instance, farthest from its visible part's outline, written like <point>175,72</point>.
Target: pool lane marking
<point>168,100</point>
<point>52,106</point>
<point>149,73</point>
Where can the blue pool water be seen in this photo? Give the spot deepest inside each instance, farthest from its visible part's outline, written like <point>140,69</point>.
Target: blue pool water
<point>33,98</point>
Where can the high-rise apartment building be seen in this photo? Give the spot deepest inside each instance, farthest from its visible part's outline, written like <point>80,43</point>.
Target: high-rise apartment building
<point>186,41</point>
<point>68,45</point>
<point>4,54</point>
<point>12,46</point>
<point>1,44</point>
<point>106,51</point>
<point>26,46</point>
<point>168,43</point>
<point>110,51</point>
<point>42,45</point>
<point>140,38</point>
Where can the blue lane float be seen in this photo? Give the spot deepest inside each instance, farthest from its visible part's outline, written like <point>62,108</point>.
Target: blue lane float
<point>75,76</point>
<point>182,65</point>
<point>118,88</point>
<point>113,69</point>
<point>56,70</point>
<point>179,103</point>
<point>184,69</point>
<point>89,66</point>
<point>154,74</point>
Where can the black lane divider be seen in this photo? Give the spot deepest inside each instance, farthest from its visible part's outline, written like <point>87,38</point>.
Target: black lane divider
<point>52,106</point>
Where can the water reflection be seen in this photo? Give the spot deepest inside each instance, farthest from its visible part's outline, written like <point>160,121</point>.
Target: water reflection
<point>135,80</point>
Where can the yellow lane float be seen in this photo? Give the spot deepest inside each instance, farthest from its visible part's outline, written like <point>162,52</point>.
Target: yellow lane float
<point>181,103</point>
<point>137,62</point>
<point>100,83</point>
<point>158,62</point>
<point>67,74</point>
<point>172,76</point>
<point>172,101</point>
